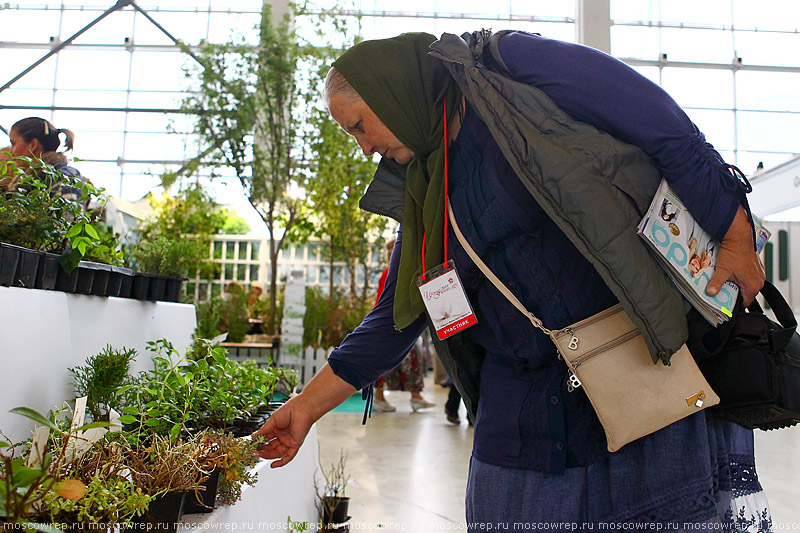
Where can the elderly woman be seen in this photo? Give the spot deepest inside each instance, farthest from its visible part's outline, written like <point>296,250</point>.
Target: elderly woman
<point>521,110</point>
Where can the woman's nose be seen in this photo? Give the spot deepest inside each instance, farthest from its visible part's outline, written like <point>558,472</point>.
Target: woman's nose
<point>367,147</point>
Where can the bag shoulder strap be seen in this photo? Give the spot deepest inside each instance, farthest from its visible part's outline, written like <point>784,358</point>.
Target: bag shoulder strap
<point>489,274</point>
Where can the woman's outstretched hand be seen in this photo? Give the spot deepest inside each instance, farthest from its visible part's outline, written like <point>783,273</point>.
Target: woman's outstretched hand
<point>737,261</point>
<point>285,432</point>
<point>288,427</point>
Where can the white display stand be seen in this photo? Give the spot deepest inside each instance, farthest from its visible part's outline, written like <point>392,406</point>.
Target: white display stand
<point>46,332</point>
<point>280,494</point>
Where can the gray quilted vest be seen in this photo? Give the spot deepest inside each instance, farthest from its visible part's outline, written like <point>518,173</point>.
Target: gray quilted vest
<point>595,187</point>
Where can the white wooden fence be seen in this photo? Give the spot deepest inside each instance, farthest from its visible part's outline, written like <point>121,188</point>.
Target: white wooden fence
<point>306,363</point>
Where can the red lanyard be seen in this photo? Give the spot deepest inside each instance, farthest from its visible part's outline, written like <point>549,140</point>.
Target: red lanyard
<point>445,201</point>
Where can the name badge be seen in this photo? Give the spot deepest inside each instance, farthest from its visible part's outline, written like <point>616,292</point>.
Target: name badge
<point>446,300</point>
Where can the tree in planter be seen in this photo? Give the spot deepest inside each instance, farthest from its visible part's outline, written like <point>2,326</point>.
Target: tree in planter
<point>235,318</point>
<point>244,106</point>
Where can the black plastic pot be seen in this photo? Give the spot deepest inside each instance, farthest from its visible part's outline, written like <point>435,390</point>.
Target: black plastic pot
<point>334,509</point>
<point>158,285</point>
<point>172,291</point>
<point>164,512</point>
<point>102,275</point>
<point>48,271</point>
<point>27,268</point>
<point>141,286</point>
<point>67,282</point>
<point>207,498</point>
<point>86,271</point>
<point>120,282</point>
<point>9,261</point>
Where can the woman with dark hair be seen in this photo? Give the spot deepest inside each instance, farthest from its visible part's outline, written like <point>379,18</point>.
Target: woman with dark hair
<point>38,138</point>
<point>549,154</point>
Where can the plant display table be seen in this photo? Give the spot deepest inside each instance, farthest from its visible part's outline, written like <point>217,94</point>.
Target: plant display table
<point>47,332</point>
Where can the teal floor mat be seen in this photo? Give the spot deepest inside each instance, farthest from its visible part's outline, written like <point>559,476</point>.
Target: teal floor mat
<point>354,404</point>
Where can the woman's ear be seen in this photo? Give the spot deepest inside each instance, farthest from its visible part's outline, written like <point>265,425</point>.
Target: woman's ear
<point>36,147</point>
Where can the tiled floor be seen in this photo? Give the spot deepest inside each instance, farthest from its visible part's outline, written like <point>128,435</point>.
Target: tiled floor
<point>409,470</point>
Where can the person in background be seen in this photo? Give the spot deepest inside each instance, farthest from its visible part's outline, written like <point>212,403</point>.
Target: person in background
<point>408,376</point>
<point>38,138</point>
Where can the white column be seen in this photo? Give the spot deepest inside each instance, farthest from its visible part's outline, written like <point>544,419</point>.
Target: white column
<point>279,9</point>
<point>593,24</point>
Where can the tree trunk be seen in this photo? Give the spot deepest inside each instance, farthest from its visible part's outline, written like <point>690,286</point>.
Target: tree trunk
<point>353,266</point>
<point>330,265</point>
<point>365,288</point>
<point>273,287</point>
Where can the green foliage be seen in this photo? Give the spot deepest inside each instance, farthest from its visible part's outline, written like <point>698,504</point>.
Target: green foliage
<point>24,485</point>
<point>206,390</point>
<point>92,242</point>
<point>251,104</point>
<point>179,235</point>
<point>241,455</point>
<point>34,214</point>
<point>338,179</point>
<point>21,487</point>
<point>234,315</point>
<point>166,257</point>
<point>329,318</point>
<point>224,314</point>
<point>189,212</point>
<point>113,500</point>
<point>100,379</point>
<point>234,224</point>
<point>161,402</point>
<point>209,314</point>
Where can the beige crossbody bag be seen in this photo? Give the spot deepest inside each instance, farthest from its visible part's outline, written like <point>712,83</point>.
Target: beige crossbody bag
<point>607,355</point>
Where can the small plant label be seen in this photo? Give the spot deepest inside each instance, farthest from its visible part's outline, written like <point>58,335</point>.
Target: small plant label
<point>79,415</point>
<point>38,443</point>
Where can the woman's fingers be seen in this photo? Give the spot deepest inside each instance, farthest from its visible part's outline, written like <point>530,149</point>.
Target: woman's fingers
<point>283,433</point>
<point>737,261</point>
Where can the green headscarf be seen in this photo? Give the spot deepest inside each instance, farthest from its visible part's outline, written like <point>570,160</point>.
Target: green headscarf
<point>406,88</point>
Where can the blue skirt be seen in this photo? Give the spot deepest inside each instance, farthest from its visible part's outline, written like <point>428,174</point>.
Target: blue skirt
<point>655,480</point>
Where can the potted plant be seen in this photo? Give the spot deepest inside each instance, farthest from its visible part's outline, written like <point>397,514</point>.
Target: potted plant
<point>240,456</point>
<point>22,486</point>
<point>332,502</point>
<point>166,470</point>
<point>35,216</point>
<point>163,263</point>
<point>46,470</point>
<point>101,378</point>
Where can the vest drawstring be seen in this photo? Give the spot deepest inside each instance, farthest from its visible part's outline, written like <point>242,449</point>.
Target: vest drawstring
<point>368,394</point>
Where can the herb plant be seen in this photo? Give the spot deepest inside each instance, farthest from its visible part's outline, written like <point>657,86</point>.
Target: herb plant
<point>101,378</point>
